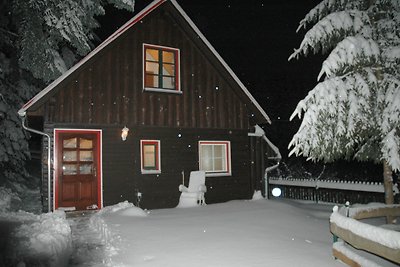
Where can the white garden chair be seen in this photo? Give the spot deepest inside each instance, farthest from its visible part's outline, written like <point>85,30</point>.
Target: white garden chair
<point>193,195</point>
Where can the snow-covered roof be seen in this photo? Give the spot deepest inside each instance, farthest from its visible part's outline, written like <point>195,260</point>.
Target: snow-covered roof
<point>125,27</point>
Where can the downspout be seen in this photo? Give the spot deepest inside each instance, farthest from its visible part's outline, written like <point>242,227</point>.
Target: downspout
<point>278,158</point>
<point>259,132</point>
<point>23,118</point>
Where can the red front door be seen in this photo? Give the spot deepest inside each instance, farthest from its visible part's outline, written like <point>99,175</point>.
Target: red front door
<point>78,169</point>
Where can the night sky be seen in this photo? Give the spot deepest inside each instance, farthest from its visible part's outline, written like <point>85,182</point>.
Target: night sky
<point>255,38</point>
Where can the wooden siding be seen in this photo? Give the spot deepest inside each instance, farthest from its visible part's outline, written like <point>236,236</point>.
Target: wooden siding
<point>122,170</point>
<point>108,88</point>
<point>122,176</point>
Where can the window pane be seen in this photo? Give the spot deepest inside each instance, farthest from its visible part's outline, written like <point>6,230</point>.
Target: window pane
<point>152,68</point>
<point>151,81</point>
<point>151,54</point>
<point>219,165</point>
<point>169,82</point>
<point>85,169</point>
<point>168,70</point>
<point>85,143</point>
<point>69,169</point>
<point>219,151</point>
<point>149,160</point>
<point>86,155</point>
<point>70,156</point>
<point>206,164</point>
<point>168,57</point>
<point>206,158</point>
<point>70,143</point>
<point>206,151</point>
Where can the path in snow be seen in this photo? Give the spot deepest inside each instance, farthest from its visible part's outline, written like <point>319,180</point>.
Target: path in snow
<point>88,248</point>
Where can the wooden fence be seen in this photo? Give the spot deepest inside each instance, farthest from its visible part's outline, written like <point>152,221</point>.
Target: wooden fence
<point>330,191</point>
<point>350,231</point>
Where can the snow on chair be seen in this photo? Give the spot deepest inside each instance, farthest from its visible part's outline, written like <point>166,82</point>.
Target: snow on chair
<point>193,195</point>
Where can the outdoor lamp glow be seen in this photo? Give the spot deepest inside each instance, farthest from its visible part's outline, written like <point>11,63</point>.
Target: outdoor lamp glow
<point>276,192</point>
<point>124,133</point>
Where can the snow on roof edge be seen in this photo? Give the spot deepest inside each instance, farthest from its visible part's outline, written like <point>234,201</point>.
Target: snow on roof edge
<point>126,26</point>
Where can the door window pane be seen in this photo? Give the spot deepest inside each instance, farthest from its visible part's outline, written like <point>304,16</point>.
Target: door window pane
<point>69,169</point>
<point>86,155</point>
<point>85,143</point>
<point>85,168</point>
<point>70,143</point>
<point>70,155</point>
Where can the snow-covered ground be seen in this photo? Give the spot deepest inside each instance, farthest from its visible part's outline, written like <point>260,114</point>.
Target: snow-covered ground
<point>237,233</point>
<point>259,232</point>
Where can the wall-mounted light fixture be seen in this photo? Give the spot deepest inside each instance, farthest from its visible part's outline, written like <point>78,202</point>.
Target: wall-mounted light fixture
<point>124,133</point>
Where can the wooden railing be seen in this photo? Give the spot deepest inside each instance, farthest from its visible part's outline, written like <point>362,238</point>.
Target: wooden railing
<point>383,242</point>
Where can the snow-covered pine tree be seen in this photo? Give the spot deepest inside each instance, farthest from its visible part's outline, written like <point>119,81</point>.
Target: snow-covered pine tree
<point>354,110</point>
<point>39,40</point>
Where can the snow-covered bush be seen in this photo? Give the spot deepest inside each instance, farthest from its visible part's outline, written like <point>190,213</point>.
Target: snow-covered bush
<point>38,240</point>
<point>9,200</point>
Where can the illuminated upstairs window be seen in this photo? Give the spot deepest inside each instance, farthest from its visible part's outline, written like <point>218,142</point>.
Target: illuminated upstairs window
<point>161,69</point>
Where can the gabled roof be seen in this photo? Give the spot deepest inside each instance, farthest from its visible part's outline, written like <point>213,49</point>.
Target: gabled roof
<point>41,96</point>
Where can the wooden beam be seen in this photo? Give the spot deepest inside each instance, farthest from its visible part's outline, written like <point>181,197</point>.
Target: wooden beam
<point>360,242</point>
<point>379,212</point>
<point>350,262</point>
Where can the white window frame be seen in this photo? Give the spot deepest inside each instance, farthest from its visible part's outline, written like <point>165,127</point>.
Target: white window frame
<point>177,90</point>
<point>158,156</point>
<point>228,160</point>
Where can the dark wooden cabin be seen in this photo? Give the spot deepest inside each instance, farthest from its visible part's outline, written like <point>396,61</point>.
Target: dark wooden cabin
<point>185,109</point>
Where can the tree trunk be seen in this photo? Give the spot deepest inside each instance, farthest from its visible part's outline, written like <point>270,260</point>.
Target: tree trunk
<point>388,186</point>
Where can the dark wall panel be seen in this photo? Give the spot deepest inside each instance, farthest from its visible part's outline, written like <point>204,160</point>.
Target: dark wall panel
<point>122,176</point>
<point>108,88</point>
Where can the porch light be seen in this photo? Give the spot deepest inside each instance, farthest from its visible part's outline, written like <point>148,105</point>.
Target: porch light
<point>124,133</point>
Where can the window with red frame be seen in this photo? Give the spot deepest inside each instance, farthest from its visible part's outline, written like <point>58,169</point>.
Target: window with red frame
<point>215,157</point>
<point>150,156</point>
<point>161,68</point>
